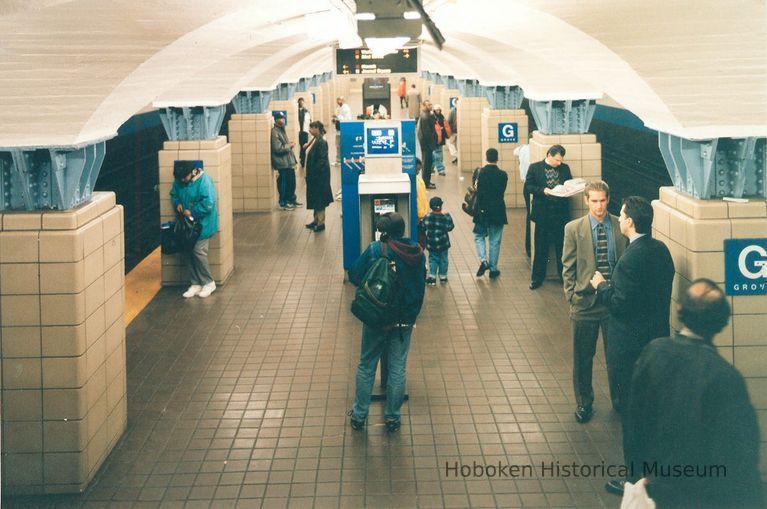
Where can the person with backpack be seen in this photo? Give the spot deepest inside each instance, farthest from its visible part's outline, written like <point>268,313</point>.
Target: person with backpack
<point>391,276</point>
<point>490,215</point>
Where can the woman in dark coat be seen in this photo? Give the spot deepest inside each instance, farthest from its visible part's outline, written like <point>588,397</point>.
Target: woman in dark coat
<point>318,192</point>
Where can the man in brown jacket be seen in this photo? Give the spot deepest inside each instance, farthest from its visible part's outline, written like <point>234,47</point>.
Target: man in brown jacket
<point>592,242</point>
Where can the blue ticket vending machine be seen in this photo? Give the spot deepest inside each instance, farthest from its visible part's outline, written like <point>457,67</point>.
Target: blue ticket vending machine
<point>377,176</point>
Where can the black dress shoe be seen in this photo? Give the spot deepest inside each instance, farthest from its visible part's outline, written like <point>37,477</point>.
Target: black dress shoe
<point>535,284</point>
<point>431,186</point>
<point>311,225</point>
<point>483,267</point>
<point>615,486</point>
<point>494,274</point>
<point>583,414</point>
<point>319,228</point>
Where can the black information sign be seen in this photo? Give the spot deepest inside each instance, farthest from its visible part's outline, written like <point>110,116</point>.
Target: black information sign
<point>361,61</point>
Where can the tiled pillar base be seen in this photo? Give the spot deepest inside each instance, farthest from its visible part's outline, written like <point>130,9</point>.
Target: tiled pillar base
<point>583,156</point>
<point>694,231</point>
<point>506,158</point>
<point>470,154</point>
<point>216,156</point>
<point>252,180</point>
<point>63,345</point>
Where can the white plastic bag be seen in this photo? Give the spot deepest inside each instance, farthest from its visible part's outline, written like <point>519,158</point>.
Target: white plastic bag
<point>635,496</point>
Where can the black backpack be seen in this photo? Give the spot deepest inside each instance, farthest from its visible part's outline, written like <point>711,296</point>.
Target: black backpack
<point>469,204</point>
<point>378,299</point>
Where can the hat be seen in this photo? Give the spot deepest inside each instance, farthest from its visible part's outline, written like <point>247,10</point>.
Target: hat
<point>278,114</point>
<point>435,203</point>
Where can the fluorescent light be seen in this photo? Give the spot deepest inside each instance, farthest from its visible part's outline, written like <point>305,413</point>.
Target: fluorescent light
<point>412,15</point>
<point>365,16</point>
<point>382,46</point>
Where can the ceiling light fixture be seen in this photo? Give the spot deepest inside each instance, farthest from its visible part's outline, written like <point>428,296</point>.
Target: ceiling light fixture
<point>382,46</point>
<point>411,15</point>
<point>365,16</point>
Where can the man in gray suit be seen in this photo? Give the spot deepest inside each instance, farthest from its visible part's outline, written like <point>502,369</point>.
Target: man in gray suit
<point>592,242</point>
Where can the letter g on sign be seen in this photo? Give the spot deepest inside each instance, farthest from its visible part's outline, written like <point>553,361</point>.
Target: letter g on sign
<point>760,264</point>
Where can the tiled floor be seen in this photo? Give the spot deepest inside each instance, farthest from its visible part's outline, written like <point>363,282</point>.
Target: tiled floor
<point>241,399</point>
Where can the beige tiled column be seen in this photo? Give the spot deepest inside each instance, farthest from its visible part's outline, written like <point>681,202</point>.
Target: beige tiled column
<point>583,156</point>
<point>470,111</point>
<point>507,160</point>
<point>436,95</point>
<point>318,108</point>
<point>63,345</point>
<point>694,231</point>
<point>216,156</point>
<point>252,180</point>
<point>328,102</point>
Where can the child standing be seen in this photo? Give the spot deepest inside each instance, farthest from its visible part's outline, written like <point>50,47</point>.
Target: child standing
<point>437,225</point>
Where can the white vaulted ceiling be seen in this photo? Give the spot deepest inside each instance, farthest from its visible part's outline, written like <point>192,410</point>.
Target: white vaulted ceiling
<point>72,71</point>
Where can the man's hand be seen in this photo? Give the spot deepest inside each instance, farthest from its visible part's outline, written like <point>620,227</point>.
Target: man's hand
<point>179,208</point>
<point>597,279</point>
<point>292,144</point>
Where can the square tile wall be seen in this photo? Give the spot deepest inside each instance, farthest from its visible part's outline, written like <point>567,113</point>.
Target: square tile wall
<point>252,176</point>
<point>63,344</point>
<point>507,160</point>
<point>694,231</point>
<point>217,162</point>
<point>470,111</point>
<point>318,108</point>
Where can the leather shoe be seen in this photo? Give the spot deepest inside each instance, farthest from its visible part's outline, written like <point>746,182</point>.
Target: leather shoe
<point>615,486</point>
<point>494,274</point>
<point>311,225</point>
<point>535,284</point>
<point>483,267</point>
<point>583,414</point>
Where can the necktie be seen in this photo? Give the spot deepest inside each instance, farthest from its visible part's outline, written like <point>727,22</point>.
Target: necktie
<point>603,265</point>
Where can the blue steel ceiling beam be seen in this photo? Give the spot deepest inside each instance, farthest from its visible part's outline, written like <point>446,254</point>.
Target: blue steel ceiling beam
<point>715,168</point>
<point>255,101</point>
<point>505,97</point>
<point>563,117</point>
<point>42,179</point>
<point>192,123</point>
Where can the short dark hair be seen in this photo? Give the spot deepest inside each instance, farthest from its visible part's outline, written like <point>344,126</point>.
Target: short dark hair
<point>391,225</point>
<point>703,308</point>
<point>183,168</point>
<point>318,125</point>
<point>300,99</point>
<point>640,211</point>
<point>556,149</point>
<point>491,156</point>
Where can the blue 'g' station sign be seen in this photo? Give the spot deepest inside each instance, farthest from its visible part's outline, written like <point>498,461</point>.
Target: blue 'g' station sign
<point>452,102</point>
<point>745,266</point>
<point>508,132</point>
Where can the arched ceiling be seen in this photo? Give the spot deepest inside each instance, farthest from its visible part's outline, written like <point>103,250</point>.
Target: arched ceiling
<point>72,71</point>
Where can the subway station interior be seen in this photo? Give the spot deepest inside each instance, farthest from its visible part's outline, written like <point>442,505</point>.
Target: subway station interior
<point>119,392</point>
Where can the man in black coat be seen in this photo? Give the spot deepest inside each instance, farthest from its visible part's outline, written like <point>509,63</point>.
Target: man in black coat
<point>638,295</point>
<point>427,138</point>
<point>689,406</point>
<point>549,213</point>
<point>491,213</point>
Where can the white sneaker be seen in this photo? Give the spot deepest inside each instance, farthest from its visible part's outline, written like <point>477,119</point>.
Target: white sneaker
<point>192,291</point>
<point>207,290</point>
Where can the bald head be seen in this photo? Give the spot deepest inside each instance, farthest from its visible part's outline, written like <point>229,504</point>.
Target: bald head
<point>704,308</point>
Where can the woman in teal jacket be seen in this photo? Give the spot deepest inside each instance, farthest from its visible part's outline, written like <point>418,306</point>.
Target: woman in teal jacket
<point>194,195</point>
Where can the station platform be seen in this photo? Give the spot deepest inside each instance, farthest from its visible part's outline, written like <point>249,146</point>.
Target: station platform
<point>240,399</point>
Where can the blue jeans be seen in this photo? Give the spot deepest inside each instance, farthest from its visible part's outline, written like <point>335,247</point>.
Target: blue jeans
<point>438,262</point>
<point>374,341</point>
<point>439,161</point>
<point>493,233</point>
<point>286,185</point>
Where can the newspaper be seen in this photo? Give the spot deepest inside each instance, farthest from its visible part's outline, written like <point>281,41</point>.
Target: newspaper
<point>569,188</point>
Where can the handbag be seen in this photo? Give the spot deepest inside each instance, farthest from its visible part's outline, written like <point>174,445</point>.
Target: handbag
<point>169,242</point>
<point>187,232</point>
<point>469,204</point>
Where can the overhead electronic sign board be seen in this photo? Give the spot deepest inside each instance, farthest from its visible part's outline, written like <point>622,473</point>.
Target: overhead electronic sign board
<point>361,61</point>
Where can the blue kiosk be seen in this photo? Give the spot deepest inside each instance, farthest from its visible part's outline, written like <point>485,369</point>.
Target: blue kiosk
<point>377,176</point>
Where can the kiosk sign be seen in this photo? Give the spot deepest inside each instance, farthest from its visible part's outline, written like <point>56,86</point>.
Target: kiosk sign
<point>507,132</point>
<point>745,266</point>
<point>382,141</point>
